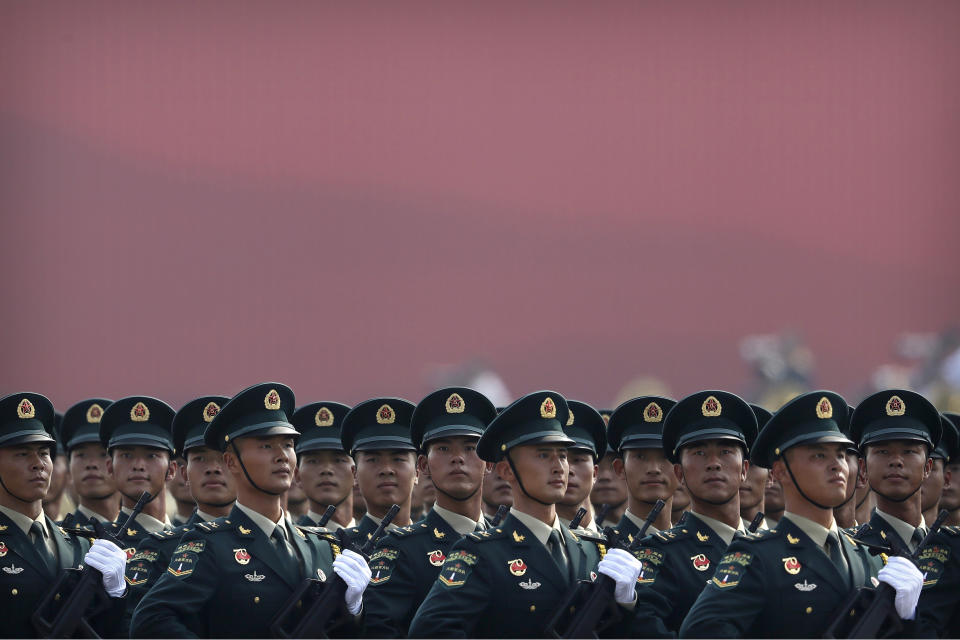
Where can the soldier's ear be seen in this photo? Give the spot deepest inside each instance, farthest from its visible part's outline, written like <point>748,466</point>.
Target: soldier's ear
<point>678,471</point>
<point>171,471</point>
<point>487,468</point>
<point>927,467</point>
<point>744,471</point>
<point>618,467</point>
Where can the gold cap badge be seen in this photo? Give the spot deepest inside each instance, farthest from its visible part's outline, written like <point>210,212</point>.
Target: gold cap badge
<point>386,415</point>
<point>139,413</point>
<point>606,418</point>
<point>548,409</point>
<point>25,409</point>
<point>824,408</point>
<point>569,418</point>
<point>210,411</point>
<point>711,407</point>
<point>323,418</point>
<point>272,400</point>
<point>895,406</point>
<point>455,404</point>
<point>653,413</point>
<point>94,413</point>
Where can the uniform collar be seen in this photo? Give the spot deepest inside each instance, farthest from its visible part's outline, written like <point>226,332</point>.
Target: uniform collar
<point>91,514</point>
<point>590,525</point>
<point>204,516</point>
<point>461,524</point>
<point>904,529</point>
<point>149,523</point>
<point>540,529</point>
<point>722,529</point>
<point>814,530</point>
<point>25,522</point>
<point>266,524</point>
<point>639,522</point>
<point>377,521</point>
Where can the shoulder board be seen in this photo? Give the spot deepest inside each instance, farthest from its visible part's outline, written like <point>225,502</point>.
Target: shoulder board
<point>951,530</point>
<point>491,534</point>
<point>166,535</point>
<point>591,537</point>
<point>762,534</point>
<point>409,530</point>
<point>670,535</point>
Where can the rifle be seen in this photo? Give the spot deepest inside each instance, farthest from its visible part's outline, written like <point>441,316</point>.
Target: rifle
<point>755,523</point>
<point>87,590</point>
<point>602,513</point>
<point>869,610</point>
<point>502,512</point>
<point>575,523</point>
<point>581,612</point>
<point>325,518</point>
<point>325,598</point>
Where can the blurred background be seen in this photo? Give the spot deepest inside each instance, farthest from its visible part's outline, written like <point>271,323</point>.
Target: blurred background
<point>361,199</point>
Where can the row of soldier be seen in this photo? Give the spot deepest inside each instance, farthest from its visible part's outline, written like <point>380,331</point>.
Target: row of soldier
<point>694,568</point>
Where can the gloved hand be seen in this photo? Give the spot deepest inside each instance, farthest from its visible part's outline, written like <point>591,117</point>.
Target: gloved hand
<point>903,575</point>
<point>625,569</point>
<point>353,569</point>
<point>111,561</point>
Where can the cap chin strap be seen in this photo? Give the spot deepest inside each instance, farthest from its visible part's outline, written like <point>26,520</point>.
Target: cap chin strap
<point>804,495</point>
<point>715,503</point>
<point>2,484</point>
<point>520,482</point>
<point>135,499</point>
<point>453,497</point>
<point>233,443</point>
<point>886,497</point>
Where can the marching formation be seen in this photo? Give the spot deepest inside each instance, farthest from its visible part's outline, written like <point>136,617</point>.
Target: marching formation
<point>703,517</point>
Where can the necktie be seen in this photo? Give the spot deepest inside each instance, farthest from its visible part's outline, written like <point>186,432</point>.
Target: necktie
<point>836,556</point>
<point>40,545</point>
<point>917,538</point>
<point>290,563</point>
<point>555,546</point>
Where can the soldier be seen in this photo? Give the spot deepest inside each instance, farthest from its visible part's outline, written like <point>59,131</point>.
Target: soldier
<point>707,436</point>
<point>210,489</point>
<point>681,502</point>
<point>495,492</point>
<point>94,484</point>
<point>58,479</point>
<point>377,435</point>
<point>950,499</point>
<point>635,433</point>
<point>33,549</point>
<point>508,581</point>
<point>772,502</point>
<point>585,426</point>
<point>445,427</point>
<point>229,577</point>
<point>324,470</point>
<point>789,581</point>
<point>753,489</point>
<point>180,492</point>
<point>846,513</point>
<point>609,495</point>
<point>932,488</point>
<point>136,433</point>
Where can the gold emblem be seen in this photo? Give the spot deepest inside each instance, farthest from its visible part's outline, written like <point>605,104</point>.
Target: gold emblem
<point>210,411</point>
<point>140,413</point>
<point>711,407</point>
<point>243,530</point>
<point>569,418</point>
<point>517,567</point>
<point>25,409</point>
<point>548,409</point>
<point>272,400</point>
<point>700,562</point>
<point>702,537</point>
<point>895,406</point>
<point>386,415</point>
<point>94,413</point>
<point>438,534</point>
<point>606,418</point>
<point>792,540</point>
<point>653,413</point>
<point>517,537</point>
<point>824,408</point>
<point>131,533</point>
<point>323,417</point>
<point>455,404</point>
<point>791,565</point>
<point>3,549</point>
<point>3,527</point>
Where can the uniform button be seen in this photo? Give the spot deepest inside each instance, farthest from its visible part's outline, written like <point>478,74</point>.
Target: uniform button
<point>809,609</point>
<point>299,603</point>
<point>256,599</point>
<point>532,607</point>
<point>853,612</point>
<point>56,597</point>
<point>572,609</point>
<point>14,591</point>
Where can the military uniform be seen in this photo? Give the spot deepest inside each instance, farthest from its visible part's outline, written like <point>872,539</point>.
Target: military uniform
<point>81,425</point>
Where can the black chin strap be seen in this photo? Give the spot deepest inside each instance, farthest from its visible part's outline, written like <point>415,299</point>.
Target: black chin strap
<point>453,497</point>
<point>804,495</point>
<point>136,499</point>
<point>2,484</point>
<point>520,482</point>
<point>233,443</point>
<point>715,503</point>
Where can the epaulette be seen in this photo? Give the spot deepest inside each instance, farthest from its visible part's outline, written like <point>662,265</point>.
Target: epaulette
<point>669,536</point>
<point>409,530</point>
<point>951,530</point>
<point>213,526</point>
<point>494,534</point>
<point>589,536</point>
<point>760,534</point>
<point>82,530</point>
<point>166,535</point>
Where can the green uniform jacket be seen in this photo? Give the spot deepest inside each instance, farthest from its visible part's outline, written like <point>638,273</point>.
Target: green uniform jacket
<point>363,531</point>
<point>776,583</point>
<point>677,563</point>
<point>500,583</point>
<point>225,579</point>
<point>404,567</point>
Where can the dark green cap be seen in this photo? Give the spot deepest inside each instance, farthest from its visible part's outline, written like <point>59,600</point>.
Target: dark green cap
<point>949,446</point>
<point>25,417</point>
<point>585,426</point>
<point>638,423</point>
<point>708,415</point>
<point>137,420</point>
<point>260,410</point>
<point>818,416</point>
<point>191,422</point>
<point>378,424</point>
<point>536,417</point>
<point>319,426</point>
<point>81,422</point>
<point>453,411</point>
<point>896,414</point>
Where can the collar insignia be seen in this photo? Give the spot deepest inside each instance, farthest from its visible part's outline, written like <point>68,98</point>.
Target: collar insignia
<point>517,537</point>
<point>243,530</point>
<point>438,534</point>
<point>792,540</point>
<point>702,537</point>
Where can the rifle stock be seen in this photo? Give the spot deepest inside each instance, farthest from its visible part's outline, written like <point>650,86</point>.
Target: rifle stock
<point>602,513</point>
<point>502,512</point>
<point>575,523</point>
<point>756,522</point>
<point>325,518</point>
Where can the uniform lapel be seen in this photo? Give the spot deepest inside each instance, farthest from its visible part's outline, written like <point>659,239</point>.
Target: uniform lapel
<point>526,547</point>
<point>805,554</point>
<point>304,548</point>
<point>855,559</point>
<point>627,529</point>
<point>575,553</point>
<point>62,542</point>
<point>881,528</point>
<point>17,542</point>
<point>440,529</point>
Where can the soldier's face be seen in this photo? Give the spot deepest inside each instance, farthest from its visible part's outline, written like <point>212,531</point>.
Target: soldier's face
<point>496,490</point>
<point>177,485</point>
<point>609,488</point>
<point>137,469</point>
<point>681,499</point>
<point>712,470</point>
<point>88,471</point>
<point>751,491</point>
<point>583,473</point>
<point>58,479</point>
<point>454,466</point>
<point>773,495</point>
<point>648,474</point>
<point>270,461</point>
<point>386,476</point>
<point>853,472</point>
<point>326,476</point>
<point>896,468</point>
<point>543,469</point>
<point>25,470</point>
<point>206,479</point>
<point>932,487</point>
<point>950,499</point>
<point>821,469</point>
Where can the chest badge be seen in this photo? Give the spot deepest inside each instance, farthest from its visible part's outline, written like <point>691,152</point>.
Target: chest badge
<point>805,586</point>
<point>321,575</point>
<point>529,584</point>
<point>700,562</point>
<point>13,570</point>
<point>791,565</point>
<point>254,577</point>
<point>3,549</point>
<point>130,551</point>
<point>436,557</point>
<point>517,567</point>
<point>241,556</point>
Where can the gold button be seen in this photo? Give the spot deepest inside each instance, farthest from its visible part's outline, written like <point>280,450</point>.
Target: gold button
<point>809,609</point>
<point>226,438</point>
<point>533,608</point>
<point>503,447</point>
<point>14,591</point>
<point>256,599</point>
<point>572,609</point>
<point>56,597</point>
<point>853,612</point>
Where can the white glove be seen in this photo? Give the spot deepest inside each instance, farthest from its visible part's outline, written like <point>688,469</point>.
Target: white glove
<point>111,561</point>
<point>903,575</point>
<point>625,569</point>
<point>353,570</point>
